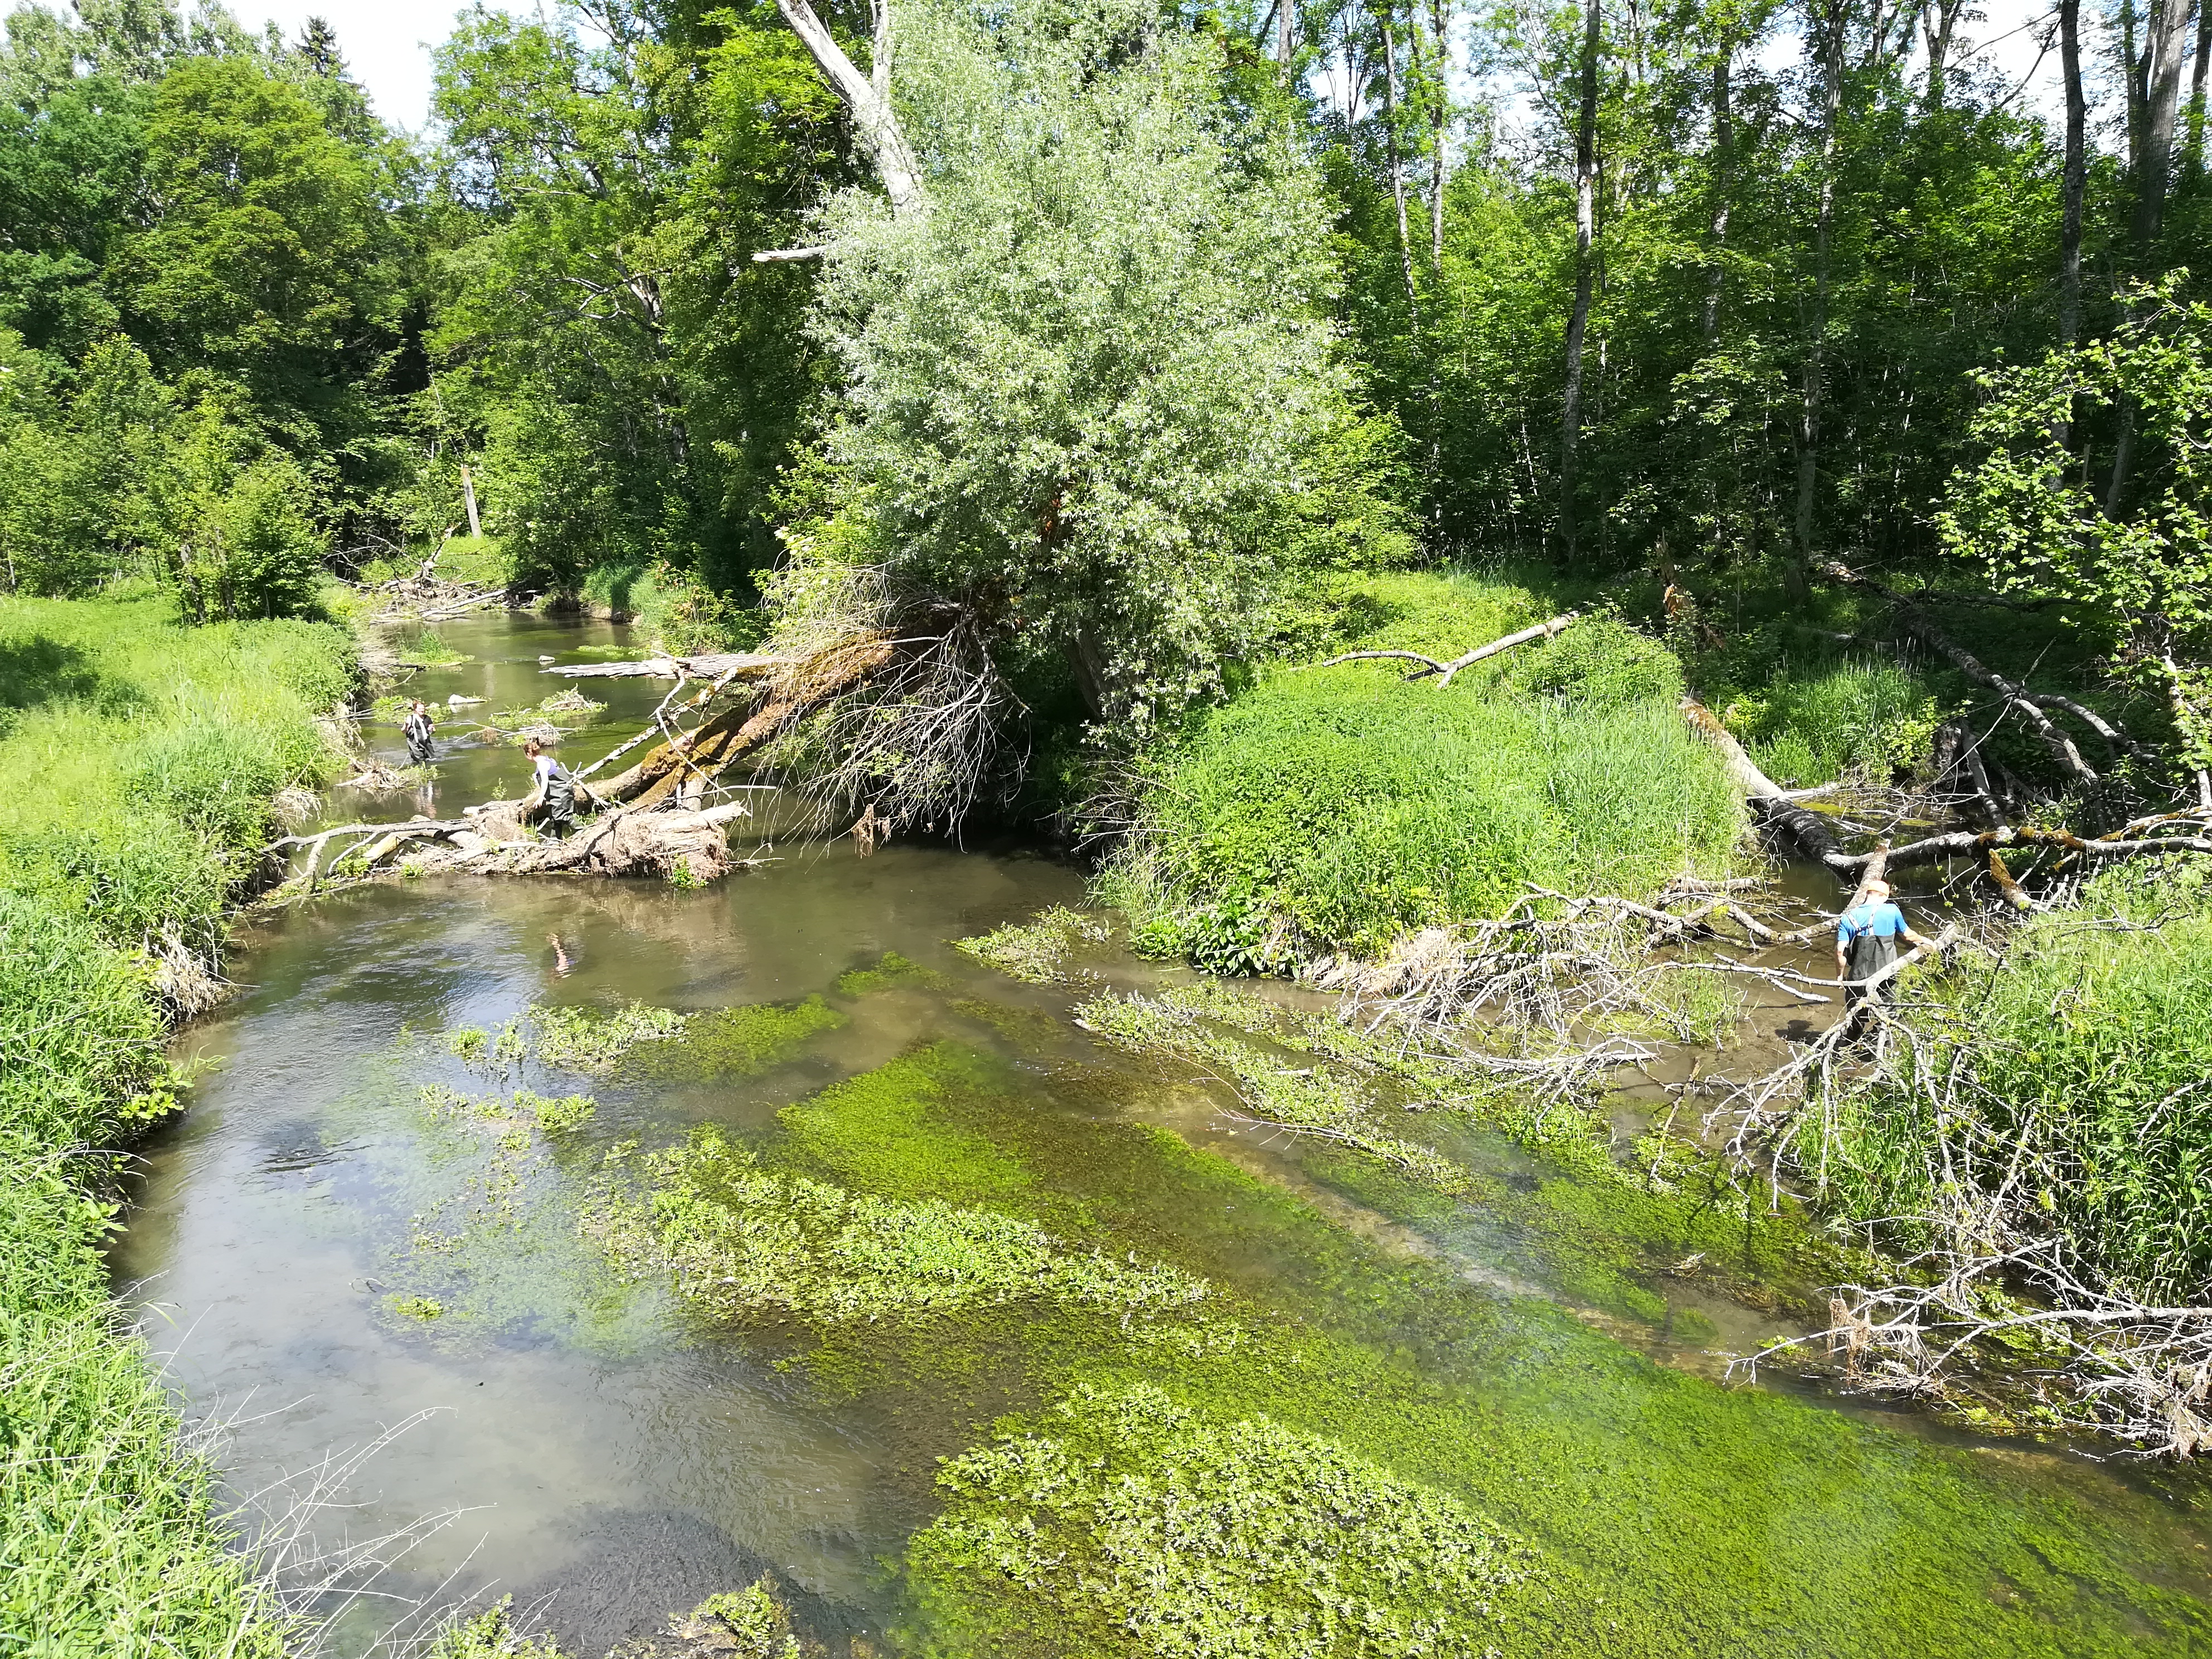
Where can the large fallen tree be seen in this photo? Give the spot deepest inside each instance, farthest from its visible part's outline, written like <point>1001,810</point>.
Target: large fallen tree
<point>877,728</point>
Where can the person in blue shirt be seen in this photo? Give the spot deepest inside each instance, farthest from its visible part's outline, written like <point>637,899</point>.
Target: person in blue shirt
<point>1866,940</point>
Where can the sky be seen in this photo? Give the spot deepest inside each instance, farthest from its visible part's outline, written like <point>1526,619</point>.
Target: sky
<point>386,44</point>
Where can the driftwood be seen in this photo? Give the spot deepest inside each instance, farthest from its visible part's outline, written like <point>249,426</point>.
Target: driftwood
<point>1542,630</point>
<point>657,818</point>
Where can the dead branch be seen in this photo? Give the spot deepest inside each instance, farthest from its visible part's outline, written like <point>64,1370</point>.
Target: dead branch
<point>1924,628</point>
<point>1542,630</point>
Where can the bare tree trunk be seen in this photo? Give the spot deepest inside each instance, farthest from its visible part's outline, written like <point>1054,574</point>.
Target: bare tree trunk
<point>469,495</point>
<point>875,122</point>
<point>1585,233</point>
<point>1397,169</point>
<point>1285,27</point>
<point>1723,182</point>
<point>1815,384</point>
<point>1938,38</point>
<point>1440,34</point>
<point>2161,80</point>
<point>2134,77</point>
<point>2075,178</point>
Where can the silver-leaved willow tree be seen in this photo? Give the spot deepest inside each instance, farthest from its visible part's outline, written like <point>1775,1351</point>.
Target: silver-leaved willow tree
<point>1093,411</point>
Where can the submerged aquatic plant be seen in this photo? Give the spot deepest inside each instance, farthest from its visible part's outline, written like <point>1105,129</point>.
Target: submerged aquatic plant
<point>741,1238</point>
<point>1130,1526</point>
<point>585,1040</point>
<point>557,1117</point>
<point>1315,1100</point>
<point>732,1042</point>
<point>1035,950</point>
<point>893,969</point>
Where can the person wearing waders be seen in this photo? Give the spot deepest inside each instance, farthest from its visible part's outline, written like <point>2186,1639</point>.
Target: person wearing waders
<point>1866,942</point>
<point>553,801</point>
<point>417,730</point>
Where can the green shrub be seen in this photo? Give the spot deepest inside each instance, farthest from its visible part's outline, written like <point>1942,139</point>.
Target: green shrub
<point>2080,1059</point>
<point>1342,806</point>
<point>1812,724</point>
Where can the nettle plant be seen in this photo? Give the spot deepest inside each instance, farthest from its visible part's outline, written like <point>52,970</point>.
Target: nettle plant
<point>2095,487</point>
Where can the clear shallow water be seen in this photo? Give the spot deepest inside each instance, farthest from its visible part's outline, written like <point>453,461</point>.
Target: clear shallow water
<point>615,1465</point>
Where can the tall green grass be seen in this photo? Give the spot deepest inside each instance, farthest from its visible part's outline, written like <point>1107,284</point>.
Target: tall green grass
<point>1342,806</point>
<point>2082,1059</point>
<point>1813,723</point>
<point>138,760</point>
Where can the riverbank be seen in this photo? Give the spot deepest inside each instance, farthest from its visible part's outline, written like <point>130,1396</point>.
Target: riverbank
<point>144,760</point>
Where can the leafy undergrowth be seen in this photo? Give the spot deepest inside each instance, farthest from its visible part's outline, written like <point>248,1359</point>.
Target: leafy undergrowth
<point>143,759</point>
<point>1340,807</point>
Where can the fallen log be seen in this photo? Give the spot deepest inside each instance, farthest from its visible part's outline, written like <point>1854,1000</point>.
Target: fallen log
<point>711,665</point>
<point>2030,705</point>
<point>1542,630</point>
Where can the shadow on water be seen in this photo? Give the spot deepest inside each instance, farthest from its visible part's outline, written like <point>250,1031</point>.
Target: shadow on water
<point>297,1227</point>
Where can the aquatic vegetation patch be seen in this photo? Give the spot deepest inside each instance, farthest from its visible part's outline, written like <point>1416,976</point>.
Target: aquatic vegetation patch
<point>1036,951</point>
<point>475,1047</point>
<point>1317,1101</point>
<point>739,1238</point>
<point>1024,1027</point>
<point>1605,1233</point>
<point>492,1634</point>
<point>893,969</point>
<point>587,1039</point>
<point>887,1131</point>
<point>1128,1525</point>
<point>732,1042</point>
<point>557,1117</point>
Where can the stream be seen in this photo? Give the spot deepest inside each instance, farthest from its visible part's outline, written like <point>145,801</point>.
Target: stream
<point>389,1322</point>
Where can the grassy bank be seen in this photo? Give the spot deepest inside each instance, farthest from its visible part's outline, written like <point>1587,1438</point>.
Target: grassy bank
<point>2070,1076</point>
<point>141,758</point>
<point>1338,807</point>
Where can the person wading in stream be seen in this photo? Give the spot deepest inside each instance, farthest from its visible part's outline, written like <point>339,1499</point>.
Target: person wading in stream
<point>1866,942</point>
<point>417,730</point>
<point>552,802</point>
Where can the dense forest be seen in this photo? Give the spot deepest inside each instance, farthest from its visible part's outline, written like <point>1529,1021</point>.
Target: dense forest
<point>1722,294</point>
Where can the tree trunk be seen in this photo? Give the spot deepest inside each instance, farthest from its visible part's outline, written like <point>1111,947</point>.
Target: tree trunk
<point>1397,170</point>
<point>1938,38</point>
<point>2161,80</point>
<point>1585,233</point>
<point>1815,384</point>
<point>2075,177</point>
<point>1439,30</point>
<point>469,495</point>
<point>1723,183</point>
<point>1285,26</point>
<point>867,97</point>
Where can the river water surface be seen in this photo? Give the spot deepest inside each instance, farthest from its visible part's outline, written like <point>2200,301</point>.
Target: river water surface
<point>606,1462</point>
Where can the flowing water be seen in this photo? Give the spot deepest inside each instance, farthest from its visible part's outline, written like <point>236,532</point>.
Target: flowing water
<point>326,1258</point>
